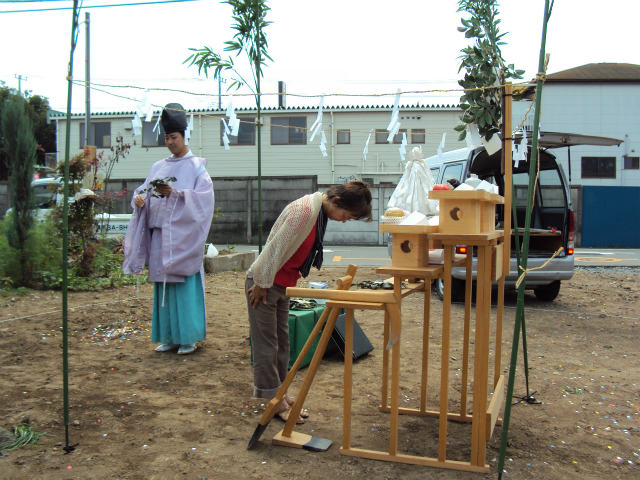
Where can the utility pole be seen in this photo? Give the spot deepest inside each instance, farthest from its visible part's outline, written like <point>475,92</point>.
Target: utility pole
<point>20,78</point>
<point>220,82</point>
<point>87,89</point>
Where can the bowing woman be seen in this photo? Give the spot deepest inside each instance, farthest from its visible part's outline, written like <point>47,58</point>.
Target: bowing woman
<point>293,246</point>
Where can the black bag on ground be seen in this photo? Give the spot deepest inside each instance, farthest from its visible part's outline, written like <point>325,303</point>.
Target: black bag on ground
<point>361,344</point>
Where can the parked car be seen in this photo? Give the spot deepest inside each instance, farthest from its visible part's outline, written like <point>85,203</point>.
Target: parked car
<point>46,196</point>
<point>552,218</point>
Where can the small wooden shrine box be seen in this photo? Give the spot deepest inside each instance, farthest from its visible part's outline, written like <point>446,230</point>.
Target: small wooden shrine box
<point>410,244</point>
<point>466,211</point>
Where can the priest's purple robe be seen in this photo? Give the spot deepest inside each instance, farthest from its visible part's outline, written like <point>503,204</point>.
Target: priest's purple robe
<point>168,234</point>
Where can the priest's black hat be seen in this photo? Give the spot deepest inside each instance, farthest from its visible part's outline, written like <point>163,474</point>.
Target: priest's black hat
<point>174,118</point>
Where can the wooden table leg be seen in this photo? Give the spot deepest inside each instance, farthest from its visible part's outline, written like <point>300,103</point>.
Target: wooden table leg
<point>348,364</point>
<point>311,372</point>
<point>481,356</point>
<point>444,359</point>
<point>465,337</point>
<point>426,314</point>
<point>497,366</point>
<point>394,313</point>
<point>384,400</point>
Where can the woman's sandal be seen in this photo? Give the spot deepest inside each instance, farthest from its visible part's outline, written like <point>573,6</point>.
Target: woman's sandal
<point>303,413</point>
<point>283,416</point>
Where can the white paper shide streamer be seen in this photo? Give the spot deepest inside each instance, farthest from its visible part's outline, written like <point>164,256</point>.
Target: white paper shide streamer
<point>225,135</point>
<point>317,128</point>
<point>394,123</point>
<point>520,151</point>
<point>403,147</point>
<point>156,127</point>
<point>234,121</point>
<point>366,148</point>
<point>189,129</point>
<point>323,144</point>
<point>145,109</point>
<point>136,124</point>
<point>317,124</point>
<point>441,146</point>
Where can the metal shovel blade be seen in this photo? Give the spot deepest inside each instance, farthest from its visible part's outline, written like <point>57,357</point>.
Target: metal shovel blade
<point>256,436</point>
<point>317,444</point>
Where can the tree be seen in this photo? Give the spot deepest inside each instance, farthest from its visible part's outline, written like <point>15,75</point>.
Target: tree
<point>81,218</point>
<point>250,18</point>
<point>19,145</point>
<point>45,133</point>
<point>485,68</point>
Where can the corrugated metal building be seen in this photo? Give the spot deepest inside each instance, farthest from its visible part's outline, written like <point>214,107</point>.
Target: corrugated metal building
<point>286,147</point>
<point>291,163</point>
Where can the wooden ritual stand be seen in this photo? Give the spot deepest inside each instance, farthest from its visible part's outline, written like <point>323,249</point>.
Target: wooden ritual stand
<point>410,264</point>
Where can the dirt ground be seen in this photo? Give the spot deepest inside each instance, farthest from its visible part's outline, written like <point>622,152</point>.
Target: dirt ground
<point>138,414</point>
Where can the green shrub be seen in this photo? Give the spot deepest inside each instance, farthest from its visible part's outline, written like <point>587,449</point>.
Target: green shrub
<point>44,245</point>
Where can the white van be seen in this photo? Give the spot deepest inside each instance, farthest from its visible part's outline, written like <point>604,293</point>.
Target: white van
<point>552,218</point>
<point>46,196</point>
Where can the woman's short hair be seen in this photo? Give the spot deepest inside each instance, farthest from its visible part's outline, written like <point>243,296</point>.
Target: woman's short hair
<point>355,197</point>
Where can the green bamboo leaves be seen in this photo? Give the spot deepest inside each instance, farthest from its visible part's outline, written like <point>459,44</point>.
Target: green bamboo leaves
<point>250,22</point>
<point>485,68</point>
<point>23,435</point>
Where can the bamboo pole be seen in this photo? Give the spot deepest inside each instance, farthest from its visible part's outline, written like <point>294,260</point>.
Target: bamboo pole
<point>548,6</point>
<point>65,234</point>
<point>506,247</point>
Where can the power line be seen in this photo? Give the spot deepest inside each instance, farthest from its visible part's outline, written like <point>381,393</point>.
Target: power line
<point>315,95</point>
<point>95,6</point>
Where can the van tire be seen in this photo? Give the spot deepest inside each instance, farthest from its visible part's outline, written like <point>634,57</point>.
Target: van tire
<point>548,293</point>
<point>457,289</point>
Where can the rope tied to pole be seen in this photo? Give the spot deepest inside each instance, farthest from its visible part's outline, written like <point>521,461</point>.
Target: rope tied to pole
<point>525,271</point>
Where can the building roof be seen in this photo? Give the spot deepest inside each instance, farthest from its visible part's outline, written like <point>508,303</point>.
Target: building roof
<point>598,72</point>
<point>215,111</point>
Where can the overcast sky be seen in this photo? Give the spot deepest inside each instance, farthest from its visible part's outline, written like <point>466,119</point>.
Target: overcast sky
<point>318,47</point>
